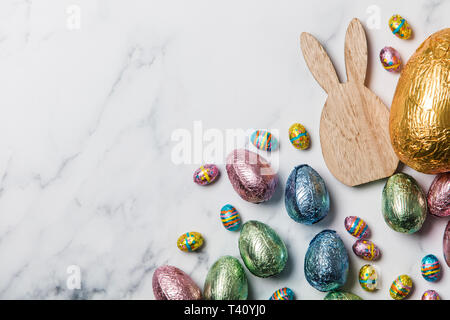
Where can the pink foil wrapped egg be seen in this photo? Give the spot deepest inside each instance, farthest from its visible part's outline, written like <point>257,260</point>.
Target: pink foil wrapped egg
<point>171,283</point>
<point>446,244</point>
<point>390,59</point>
<point>430,295</point>
<point>438,197</point>
<point>251,176</point>
<point>206,174</point>
<point>366,249</point>
<point>357,227</point>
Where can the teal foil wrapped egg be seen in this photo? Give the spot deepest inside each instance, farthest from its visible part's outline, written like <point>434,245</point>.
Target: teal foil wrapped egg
<point>262,250</point>
<point>431,268</point>
<point>282,294</point>
<point>341,295</point>
<point>226,280</point>
<point>264,140</point>
<point>306,196</point>
<point>326,262</point>
<point>404,205</point>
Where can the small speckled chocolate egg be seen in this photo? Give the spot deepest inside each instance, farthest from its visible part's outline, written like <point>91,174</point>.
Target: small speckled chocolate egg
<point>190,241</point>
<point>368,278</point>
<point>264,140</point>
<point>404,205</point>
<point>357,227</point>
<point>251,176</point>
<point>262,250</point>
<point>430,295</point>
<point>171,283</point>
<point>446,244</point>
<point>366,249</point>
<point>401,287</point>
<point>282,294</point>
<point>431,268</point>
<point>341,295</point>
<point>326,262</point>
<point>298,136</point>
<point>226,280</point>
<point>306,196</point>
<point>206,174</point>
<point>438,197</point>
<point>390,59</point>
<point>230,217</point>
<point>400,27</point>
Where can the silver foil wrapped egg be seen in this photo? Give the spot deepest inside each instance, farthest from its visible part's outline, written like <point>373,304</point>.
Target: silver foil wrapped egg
<point>251,176</point>
<point>171,283</point>
<point>326,262</point>
<point>226,280</point>
<point>262,250</point>
<point>306,196</point>
<point>438,197</point>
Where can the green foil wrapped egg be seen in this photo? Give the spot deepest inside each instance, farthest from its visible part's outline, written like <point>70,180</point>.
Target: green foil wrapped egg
<point>226,280</point>
<point>404,205</point>
<point>262,250</point>
<point>341,295</point>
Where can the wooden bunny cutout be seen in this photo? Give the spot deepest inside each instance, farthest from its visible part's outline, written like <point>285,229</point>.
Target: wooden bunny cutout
<point>354,127</point>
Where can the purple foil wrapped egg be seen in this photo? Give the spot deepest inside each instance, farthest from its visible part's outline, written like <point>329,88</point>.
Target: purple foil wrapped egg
<point>171,283</point>
<point>390,59</point>
<point>366,249</point>
<point>438,197</point>
<point>206,174</point>
<point>446,244</point>
<point>357,227</point>
<point>430,295</point>
<point>251,176</point>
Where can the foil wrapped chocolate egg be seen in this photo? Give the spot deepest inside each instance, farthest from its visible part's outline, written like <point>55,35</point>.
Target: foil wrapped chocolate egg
<point>226,280</point>
<point>446,244</point>
<point>264,140</point>
<point>282,294</point>
<point>306,196</point>
<point>430,295</point>
<point>390,59</point>
<point>438,197</point>
<point>206,174</point>
<point>369,277</point>
<point>357,227</point>
<point>431,268</point>
<point>262,250</point>
<point>251,176</point>
<point>171,283</point>
<point>401,287</point>
<point>341,295</point>
<point>420,112</point>
<point>404,205</point>
<point>230,217</point>
<point>400,27</point>
<point>326,262</point>
<point>366,249</point>
<point>298,136</point>
<point>190,241</point>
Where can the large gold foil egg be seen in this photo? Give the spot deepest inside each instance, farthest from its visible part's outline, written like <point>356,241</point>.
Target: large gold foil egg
<point>419,122</point>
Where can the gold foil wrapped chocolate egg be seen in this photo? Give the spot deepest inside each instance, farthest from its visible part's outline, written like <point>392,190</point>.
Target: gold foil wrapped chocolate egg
<point>419,121</point>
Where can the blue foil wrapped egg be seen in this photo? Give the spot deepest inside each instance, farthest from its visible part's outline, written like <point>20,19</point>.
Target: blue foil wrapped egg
<point>264,140</point>
<point>306,197</point>
<point>431,268</point>
<point>282,294</point>
<point>326,262</point>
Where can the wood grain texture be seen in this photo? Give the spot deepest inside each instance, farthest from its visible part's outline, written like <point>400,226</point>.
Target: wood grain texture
<point>354,127</point>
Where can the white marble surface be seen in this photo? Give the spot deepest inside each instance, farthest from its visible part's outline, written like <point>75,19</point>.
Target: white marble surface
<point>92,92</point>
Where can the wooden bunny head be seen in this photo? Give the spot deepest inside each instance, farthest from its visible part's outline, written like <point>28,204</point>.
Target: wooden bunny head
<point>354,127</point>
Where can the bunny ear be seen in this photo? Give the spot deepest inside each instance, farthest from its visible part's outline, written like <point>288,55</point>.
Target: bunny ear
<point>356,52</point>
<point>318,62</point>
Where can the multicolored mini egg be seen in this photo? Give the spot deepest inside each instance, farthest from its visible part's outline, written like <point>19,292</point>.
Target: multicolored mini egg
<point>264,140</point>
<point>357,227</point>
<point>298,136</point>
<point>431,268</point>
<point>401,287</point>
<point>206,174</point>
<point>366,249</point>
<point>190,241</point>
<point>400,27</point>
<point>230,217</point>
<point>368,277</point>
<point>430,295</point>
<point>283,294</point>
<point>390,59</point>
